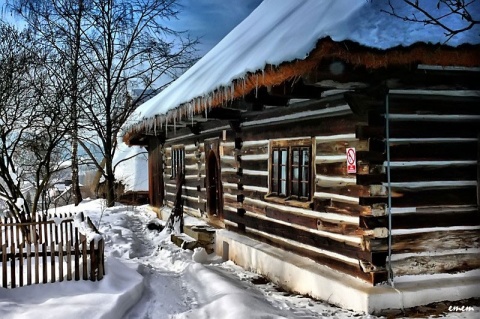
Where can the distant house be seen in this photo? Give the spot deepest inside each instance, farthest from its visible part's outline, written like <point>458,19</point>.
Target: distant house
<point>332,131</point>
<point>131,171</point>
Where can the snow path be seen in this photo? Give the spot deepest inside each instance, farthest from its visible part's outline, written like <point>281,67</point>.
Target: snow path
<point>177,287</point>
<point>154,303</point>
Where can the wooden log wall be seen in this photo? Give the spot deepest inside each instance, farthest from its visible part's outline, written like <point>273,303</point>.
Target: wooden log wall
<point>326,228</point>
<point>434,151</point>
<point>194,191</point>
<point>53,250</point>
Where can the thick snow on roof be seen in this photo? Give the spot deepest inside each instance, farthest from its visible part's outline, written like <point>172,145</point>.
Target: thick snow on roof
<point>132,168</point>
<point>280,31</point>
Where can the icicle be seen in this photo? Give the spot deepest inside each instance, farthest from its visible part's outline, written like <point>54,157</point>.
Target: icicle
<point>155,126</point>
<point>166,125</point>
<point>175,122</point>
<point>256,87</point>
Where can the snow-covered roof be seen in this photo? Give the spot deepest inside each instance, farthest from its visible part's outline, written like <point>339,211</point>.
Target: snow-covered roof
<point>289,30</point>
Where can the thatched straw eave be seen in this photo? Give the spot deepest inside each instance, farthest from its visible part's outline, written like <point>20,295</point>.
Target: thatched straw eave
<point>326,49</point>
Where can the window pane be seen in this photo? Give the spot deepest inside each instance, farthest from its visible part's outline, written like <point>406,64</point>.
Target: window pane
<point>295,188</point>
<point>283,189</point>
<point>295,173</point>
<point>275,172</point>
<point>305,156</point>
<point>295,156</point>
<point>305,173</point>
<point>284,157</point>
<point>283,174</point>
<point>305,190</point>
<point>275,157</point>
<point>274,186</point>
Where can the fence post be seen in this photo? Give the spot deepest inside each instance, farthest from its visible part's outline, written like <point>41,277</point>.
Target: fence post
<point>4,266</point>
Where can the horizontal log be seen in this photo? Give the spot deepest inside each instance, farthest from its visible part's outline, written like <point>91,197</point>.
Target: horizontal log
<point>349,190</point>
<point>336,207</point>
<point>430,265</point>
<point>254,148</point>
<point>439,104</point>
<point>334,181</point>
<point>418,174</point>
<point>333,169</point>
<point>300,128</point>
<point>340,147</point>
<point>195,182</point>
<point>230,177</point>
<point>433,151</point>
<point>299,235</point>
<point>423,130</point>
<point>439,197</point>
<point>425,220</point>
<point>231,190</point>
<point>193,171</point>
<point>254,180</point>
<point>354,271</point>
<point>260,165</point>
<point>254,194</point>
<point>195,205</point>
<point>427,241</point>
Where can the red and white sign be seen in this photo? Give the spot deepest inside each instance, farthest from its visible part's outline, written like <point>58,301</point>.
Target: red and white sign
<point>351,161</point>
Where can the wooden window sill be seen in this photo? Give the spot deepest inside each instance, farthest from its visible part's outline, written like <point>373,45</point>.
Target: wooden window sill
<point>288,202</point>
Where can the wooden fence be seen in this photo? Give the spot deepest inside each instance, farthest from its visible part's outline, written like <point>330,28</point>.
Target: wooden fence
<point>49,249</point>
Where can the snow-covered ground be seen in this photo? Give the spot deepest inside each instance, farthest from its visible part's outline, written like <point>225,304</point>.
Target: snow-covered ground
<point>149,277</point>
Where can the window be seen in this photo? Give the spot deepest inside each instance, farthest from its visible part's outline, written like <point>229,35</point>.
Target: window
<point>290,174</point>
<point>178,160</point>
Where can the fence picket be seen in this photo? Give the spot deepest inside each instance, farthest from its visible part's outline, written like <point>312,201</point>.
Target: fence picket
<point>60,261</point>
<point>84,256</point>
<point>29,264</point>
<point>20,265</point>
<point>56,232</point>
<point>44,263</point>
<point>93,261</point>
<point>69,261</point>
<point>12,266</point>
<point>37,264</point>
<point>101,265</point>
<point>52,261</point>
<point>45,230</point>
<point>32,242</point>
<point>77,256</point>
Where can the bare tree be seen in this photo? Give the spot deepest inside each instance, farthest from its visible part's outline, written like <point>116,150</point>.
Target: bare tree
<point>132,48</point>
<point>59,25</point>
<point>121,46</point>
<point>463,10</point>
<point>32,125</point>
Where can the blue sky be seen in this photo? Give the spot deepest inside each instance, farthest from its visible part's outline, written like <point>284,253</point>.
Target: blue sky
<point>211,20</point>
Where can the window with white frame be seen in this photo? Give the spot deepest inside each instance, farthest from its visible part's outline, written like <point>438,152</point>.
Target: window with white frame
<point>290,170</point>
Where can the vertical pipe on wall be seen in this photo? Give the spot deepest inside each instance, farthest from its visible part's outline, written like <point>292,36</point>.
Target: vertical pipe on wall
<point>389,191</point>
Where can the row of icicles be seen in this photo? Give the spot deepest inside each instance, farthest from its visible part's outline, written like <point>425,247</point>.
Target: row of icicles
<point>196,106</point>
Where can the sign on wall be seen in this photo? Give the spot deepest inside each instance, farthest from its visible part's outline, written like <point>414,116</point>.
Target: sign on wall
<point>351,161</point>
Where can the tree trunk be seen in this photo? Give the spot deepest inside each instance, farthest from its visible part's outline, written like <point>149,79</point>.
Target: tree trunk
<point>77,195</point>
<point>97,177</point>
<point>110,183</point>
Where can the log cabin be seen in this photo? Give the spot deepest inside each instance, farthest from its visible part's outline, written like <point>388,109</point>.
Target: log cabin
<point>335,146</point>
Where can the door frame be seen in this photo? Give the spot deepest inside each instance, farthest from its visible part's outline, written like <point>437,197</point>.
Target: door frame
<point>211,148</point>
